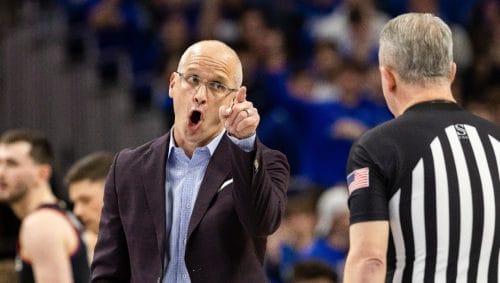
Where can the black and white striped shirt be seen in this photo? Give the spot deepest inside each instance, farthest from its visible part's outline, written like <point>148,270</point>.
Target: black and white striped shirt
<point>434,175</point>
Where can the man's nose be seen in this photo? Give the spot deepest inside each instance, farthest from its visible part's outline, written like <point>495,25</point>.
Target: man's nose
<point>200,94</point>
<point>77,209</point>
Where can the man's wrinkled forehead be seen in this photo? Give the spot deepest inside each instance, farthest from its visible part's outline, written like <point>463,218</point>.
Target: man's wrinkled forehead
<point>209,54</point>
<point>214,56</point>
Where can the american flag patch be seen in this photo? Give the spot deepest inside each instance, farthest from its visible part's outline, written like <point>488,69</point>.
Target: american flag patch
<point>357,179</point>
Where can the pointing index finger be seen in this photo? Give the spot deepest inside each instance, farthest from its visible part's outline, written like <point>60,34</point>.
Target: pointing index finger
<point>241,95</point>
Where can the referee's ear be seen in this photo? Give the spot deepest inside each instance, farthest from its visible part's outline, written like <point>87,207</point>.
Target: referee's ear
<point>453,71</point>
<point>388,79</point>
<point>389,87</point>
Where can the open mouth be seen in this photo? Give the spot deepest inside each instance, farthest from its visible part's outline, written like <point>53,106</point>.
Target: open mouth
<point>195,117</point>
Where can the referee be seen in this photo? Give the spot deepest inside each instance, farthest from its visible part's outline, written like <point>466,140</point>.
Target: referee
<point>424,188</point>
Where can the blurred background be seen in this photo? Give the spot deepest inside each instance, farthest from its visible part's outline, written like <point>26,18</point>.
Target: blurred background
<point>93,75</point>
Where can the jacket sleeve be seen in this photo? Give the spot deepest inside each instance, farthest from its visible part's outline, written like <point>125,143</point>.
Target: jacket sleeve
<point>261,179</point>
<point>111,260</point>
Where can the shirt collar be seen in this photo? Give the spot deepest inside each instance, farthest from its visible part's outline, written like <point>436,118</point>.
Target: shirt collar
<point>433,104</point>
<point>212,145</point>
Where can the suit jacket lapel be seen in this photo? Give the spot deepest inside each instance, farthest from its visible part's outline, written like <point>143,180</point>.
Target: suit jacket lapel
<point>154,175</point>
<point>218,170</point>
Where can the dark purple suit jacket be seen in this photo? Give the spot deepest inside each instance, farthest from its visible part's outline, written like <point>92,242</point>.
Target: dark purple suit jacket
<point>228,227</point>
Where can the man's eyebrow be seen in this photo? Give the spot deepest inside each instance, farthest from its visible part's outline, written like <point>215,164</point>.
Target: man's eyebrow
<point>216,77</point>
<point>10,160</point>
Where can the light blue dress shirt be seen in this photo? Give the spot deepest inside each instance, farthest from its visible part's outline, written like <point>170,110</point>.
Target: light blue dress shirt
<point>182,184</point>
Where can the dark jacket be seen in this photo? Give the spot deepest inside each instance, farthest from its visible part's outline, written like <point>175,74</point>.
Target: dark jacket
<point>228,227</point>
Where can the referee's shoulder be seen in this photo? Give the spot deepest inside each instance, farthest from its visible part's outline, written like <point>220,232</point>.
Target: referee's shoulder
<point>386,131</point>
<point>487,125</point>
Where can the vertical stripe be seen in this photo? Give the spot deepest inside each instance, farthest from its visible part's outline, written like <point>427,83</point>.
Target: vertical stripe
<point>488,204</point>
<point>496,255</point>
<point>442,211</point>
<point>391,258</point>
<point>496,148</point>
<point>477,209</point>
<point>418,221</point>
<point>430,211</point>
<point>397,235</point>
<point>465,205</point>
<point>405,205</point>
<point>454,205</point>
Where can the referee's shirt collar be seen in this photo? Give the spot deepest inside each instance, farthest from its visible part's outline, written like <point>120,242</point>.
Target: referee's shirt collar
<point>434,104</point>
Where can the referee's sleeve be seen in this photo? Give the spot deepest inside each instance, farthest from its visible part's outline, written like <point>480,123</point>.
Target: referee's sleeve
<point>367,199</point>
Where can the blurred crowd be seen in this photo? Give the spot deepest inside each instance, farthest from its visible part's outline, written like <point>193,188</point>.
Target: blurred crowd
<point>310,68</point>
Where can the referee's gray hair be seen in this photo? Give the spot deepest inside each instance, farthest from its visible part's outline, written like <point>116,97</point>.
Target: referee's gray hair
<point>418,47</point>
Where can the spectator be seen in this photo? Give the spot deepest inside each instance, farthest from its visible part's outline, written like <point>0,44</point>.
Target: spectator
<point>311,271</point>
<point>85,181</point>
<point>332,230</point>
<point>354,27</point>
<point>295,238</point>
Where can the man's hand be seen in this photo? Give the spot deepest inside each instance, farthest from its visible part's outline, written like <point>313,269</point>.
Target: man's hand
<point>347,128</point>
<point>241,118</point>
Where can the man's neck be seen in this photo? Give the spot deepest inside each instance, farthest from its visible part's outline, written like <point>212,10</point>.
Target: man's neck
<point>33,199</point>
<point>189,146</point>
<point>412,95</point>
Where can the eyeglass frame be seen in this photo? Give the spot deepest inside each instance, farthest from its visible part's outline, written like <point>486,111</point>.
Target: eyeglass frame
<point>207,85</point>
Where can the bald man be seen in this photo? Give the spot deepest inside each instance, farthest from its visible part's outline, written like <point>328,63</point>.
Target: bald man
<point>197,204</point>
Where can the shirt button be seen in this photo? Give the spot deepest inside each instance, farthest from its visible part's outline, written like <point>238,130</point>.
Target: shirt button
<point>188,206</point>
<point>185,242</point>
<point>184,276</point>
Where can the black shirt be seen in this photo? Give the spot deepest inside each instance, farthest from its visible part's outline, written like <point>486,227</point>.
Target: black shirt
<point>433,173</point>
<point>79,262</point>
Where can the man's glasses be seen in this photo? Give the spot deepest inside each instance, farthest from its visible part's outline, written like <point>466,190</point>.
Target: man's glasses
<point>215,88</point>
